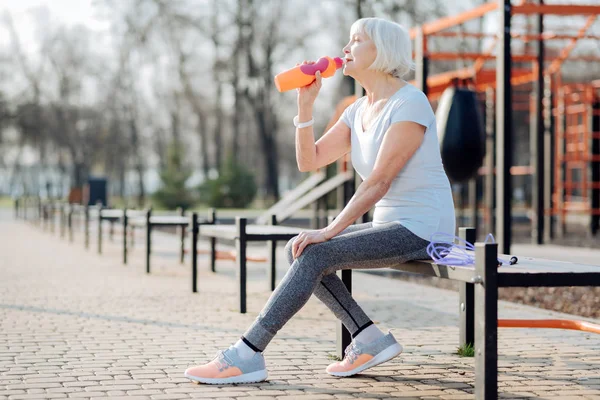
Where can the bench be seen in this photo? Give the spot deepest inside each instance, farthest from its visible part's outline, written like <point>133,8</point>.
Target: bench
<point>113,215</point>
<point>181,221</point>
<point>478,298</point>
<point>242,233</point>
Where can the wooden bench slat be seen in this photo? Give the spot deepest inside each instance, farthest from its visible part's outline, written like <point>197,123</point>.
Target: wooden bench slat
<point>254,232</point>
<point>111,213</point>
<point>170,220</point>
<point>529,265</point>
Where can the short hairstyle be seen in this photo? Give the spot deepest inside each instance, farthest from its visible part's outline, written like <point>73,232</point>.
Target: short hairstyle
<point>393,44</point>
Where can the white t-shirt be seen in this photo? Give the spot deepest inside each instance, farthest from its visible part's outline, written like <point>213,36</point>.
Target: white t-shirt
<point>420,197</point>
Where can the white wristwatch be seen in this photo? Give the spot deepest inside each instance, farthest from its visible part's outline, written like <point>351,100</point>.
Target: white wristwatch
<point>303,124</point>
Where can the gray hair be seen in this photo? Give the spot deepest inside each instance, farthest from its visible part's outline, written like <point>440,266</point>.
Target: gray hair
<point>393,44</point>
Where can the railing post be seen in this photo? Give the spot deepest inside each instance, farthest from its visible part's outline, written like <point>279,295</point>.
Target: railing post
<point>86,226</point>
<point>240,243</point>
<point>99,208</point>
<point>182,236</point>
<point>148,239</point>
<point>466,300</point>
<point>272,258</point>
<point>70,221</point>
<point>125,223</point>
<point>212,219</point>
<point>486,328</point>
<point>194,251</point>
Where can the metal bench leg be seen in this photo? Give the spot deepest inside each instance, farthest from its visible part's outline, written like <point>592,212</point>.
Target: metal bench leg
<point>194,252</point>
<point>182,238</point>
<point>272,248</point>
<point>212,219</point>
<point>125,223</point>
<point>466,299</point>
<point>272,268</point>
<point>148,239</point>
<point>240,244</point>
<point>70,222</point>
<point>486,322</point>
<point>99,229</point>
<point>343,336</point>
<point>213,254</point>
<point>86,228</point>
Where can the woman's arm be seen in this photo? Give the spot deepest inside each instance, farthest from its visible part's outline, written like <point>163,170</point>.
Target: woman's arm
<point>311,156</point>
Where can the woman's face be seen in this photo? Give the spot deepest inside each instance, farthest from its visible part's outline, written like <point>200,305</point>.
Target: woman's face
<point>359,53</point>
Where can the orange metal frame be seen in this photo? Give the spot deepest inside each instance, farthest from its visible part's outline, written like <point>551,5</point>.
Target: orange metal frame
<point>549,323</point>
<point>573,102</point>
<point>438,83</point>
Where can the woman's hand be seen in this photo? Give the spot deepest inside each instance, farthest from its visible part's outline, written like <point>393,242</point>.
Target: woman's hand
<point>308,94</point>
<point>306,238</point>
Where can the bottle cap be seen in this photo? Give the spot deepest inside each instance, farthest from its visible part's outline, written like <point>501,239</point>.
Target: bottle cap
<point>338,62</point>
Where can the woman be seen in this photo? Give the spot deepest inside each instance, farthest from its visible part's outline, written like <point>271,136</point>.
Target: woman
<point>391,135</point>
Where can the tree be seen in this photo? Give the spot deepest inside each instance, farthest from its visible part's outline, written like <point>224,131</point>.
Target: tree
<point>173,192</point>
<point>234,188</point>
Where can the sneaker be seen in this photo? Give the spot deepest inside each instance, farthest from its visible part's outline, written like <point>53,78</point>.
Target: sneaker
<point>228,367</point>
<point>360,356</point>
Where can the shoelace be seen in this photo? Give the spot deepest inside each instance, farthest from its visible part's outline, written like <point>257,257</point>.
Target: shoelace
<point>352,352</point>
<point>222,362</point>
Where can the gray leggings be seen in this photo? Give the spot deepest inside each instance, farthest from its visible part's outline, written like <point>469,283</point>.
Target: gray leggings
<point>361,246</point>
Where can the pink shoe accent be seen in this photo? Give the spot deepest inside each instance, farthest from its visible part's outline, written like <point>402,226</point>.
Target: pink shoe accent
<point>213,370</point>
<point>348,364</point>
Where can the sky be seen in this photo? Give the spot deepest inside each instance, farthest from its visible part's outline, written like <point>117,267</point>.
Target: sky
<point>69,12</point>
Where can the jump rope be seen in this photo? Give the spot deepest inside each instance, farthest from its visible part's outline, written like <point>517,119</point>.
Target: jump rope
<point>448,249</point>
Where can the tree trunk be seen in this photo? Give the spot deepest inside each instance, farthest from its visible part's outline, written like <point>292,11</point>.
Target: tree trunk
<point>203,144</point>
<point>218,133</point>
<point>269,147</point>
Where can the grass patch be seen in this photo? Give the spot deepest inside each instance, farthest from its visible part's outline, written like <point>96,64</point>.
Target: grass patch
<point>466,350</point>
<point>334,357</point>
<point>6,202</point>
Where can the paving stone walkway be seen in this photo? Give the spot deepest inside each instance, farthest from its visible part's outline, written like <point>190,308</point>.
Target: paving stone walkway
<point>77,324</point>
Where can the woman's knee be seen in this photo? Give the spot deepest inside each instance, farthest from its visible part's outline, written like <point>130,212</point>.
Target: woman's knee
<point>288,250</point>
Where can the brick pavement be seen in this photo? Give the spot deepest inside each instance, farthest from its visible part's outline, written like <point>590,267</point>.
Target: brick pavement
<point>76,324</point>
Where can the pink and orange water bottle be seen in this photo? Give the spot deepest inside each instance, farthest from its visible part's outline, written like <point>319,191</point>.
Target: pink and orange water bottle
<point>304,75</point>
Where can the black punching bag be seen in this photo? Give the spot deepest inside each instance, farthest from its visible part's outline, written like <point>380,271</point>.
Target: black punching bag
<point>460,133</point>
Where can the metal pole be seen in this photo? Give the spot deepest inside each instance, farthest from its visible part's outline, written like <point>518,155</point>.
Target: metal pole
<point>99,208</point>
<point>70,221</point>
<point>548,158</point>
<point>125,222</point>
<point>272,256</point>
<point>240,243</point>
<point>466,293</point>
<point>148,239</point>
<point>595,167</point>
<point>194,252</point>
<point>182,233</point>
<point>537,142</point>
<point>212,219</point>
<point>473,189</point>
<point>87,226</point>
<point>486,322</point>
<point>504,139</point>
<point>490,124</point>
<point>421,61</point>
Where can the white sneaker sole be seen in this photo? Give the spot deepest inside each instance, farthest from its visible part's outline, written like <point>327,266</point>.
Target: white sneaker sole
<point>383,356</point>
<point>252,377</point>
